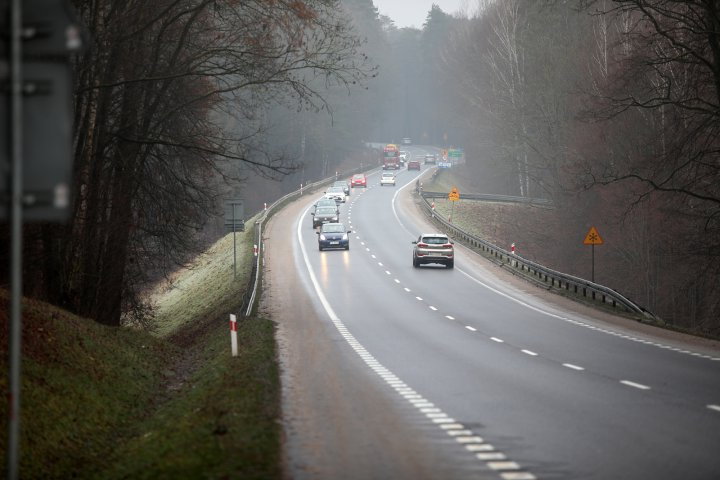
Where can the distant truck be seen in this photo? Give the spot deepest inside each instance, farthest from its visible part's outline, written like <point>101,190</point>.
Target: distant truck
<point>391,157</point>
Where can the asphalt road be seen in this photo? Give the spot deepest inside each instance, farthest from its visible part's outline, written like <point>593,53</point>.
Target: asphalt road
<point>395,372</point>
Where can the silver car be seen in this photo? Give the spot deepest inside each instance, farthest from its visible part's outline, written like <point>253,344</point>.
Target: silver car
<point>433,248</point>
<point>345,186</point>
<point>387,178</point>
<point>336,193</point>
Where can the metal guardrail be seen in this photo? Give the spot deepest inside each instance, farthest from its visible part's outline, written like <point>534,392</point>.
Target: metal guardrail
<point>251,290</point>
<point>553,279</point>
<point>488,197</point>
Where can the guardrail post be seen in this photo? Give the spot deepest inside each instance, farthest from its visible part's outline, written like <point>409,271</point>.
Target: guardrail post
<point>233,335</point>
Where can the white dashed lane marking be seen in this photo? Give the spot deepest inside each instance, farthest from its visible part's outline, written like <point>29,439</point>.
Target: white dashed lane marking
<point>714,407</point>
<point>433,308</point>
<point>471,328</point>
<point>495,339</point>
<point>528,352</point>
<point>635,385</point>
<point>397,281</point>
<point>573,367</point>
<point>449,317</point>
<point>406,289</point>
<point>419,298</point>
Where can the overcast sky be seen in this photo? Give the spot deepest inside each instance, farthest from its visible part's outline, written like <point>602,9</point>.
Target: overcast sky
<point>412,13</point>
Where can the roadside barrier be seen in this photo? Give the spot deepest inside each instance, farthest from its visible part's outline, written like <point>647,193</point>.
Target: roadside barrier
<point>553,280</point>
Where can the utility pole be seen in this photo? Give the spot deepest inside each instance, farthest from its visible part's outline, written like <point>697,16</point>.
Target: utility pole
<point>35,60</point>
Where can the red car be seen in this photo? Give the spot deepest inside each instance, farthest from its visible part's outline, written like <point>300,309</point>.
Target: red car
<point>413,165</point>
<point>358,180</point>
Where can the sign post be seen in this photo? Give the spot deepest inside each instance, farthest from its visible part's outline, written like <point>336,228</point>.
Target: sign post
<point>593,238</point>
<point>234,213</point>
<point>453,196</point>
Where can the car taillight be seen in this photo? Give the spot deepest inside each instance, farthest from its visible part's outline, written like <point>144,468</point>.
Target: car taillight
<point>422,245</point>
<point>447,245</point>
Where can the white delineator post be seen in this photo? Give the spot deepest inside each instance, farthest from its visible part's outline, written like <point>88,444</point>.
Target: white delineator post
<point>265,206</point>
<point>255,250</point>
<point>233,335</point>
<point>512,248</point>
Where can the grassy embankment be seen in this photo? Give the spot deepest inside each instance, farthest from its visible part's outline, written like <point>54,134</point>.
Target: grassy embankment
<point>101,402</point>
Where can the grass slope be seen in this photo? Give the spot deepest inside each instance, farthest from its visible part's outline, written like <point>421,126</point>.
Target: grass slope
<point>103,402</point>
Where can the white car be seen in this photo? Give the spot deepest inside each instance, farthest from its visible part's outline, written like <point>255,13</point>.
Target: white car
<point>336,193</point>
<point>387,178</point>
<point>403,157</point>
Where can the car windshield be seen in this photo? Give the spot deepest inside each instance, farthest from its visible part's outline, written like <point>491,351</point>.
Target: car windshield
<point>387,174</point>
<point>335,190</point>
<point>339,184</point>
<point>326,203</point>
<point>333,228</point>
<point>326,211</point>
<point>435,240</point>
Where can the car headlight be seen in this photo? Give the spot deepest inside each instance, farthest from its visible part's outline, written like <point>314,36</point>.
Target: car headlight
<point>334,219</point>
<point>322,237</point>
<point>345,237</point>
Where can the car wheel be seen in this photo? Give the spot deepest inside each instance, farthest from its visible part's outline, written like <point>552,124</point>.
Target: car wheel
<point>347,247</point>
<point>320,248</point>
<point>451,264</point>
<point>415,262</point>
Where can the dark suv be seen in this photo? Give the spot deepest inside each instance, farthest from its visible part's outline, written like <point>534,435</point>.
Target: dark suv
<point>433,248</point>
<point>413,165</point>
<point>323,215</point>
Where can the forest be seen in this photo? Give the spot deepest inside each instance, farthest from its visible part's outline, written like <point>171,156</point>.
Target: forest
<point>609,108</point>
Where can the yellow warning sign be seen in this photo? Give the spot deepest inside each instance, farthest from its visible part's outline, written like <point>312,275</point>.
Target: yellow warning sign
<point>593,237</point>
<point>454,194</point>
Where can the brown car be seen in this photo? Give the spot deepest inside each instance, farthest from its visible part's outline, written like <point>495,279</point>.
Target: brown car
<point>413,165</point>
<point>433,248</point>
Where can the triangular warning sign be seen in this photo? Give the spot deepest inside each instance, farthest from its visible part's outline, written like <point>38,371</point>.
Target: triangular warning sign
<point>593,237</point>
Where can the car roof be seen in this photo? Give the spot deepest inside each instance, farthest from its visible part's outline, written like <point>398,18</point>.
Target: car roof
<point>325,225</point>
<point>335,189</point>
<point>433,235</point>
<point>388,173</point>
<point>326,209</point>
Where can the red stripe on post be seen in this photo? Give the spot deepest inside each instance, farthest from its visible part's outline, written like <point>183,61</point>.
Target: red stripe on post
<point>233,326</point>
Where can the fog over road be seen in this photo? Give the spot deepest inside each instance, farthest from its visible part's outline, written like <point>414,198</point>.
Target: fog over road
<point>395,372</point>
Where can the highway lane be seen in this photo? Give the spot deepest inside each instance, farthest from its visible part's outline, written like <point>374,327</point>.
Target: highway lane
<point>539,384</point>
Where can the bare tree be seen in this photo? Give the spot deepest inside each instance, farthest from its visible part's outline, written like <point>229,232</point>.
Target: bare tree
<point>169,98</point>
